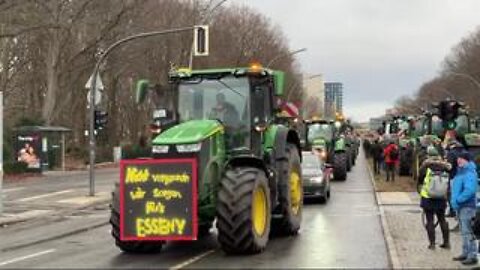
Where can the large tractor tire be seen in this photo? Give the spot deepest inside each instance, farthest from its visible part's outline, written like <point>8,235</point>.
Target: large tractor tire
<point>354,156</point>
<point>243,211</point>
<point>129,246</point>
<point>290,195</point>
<point>348,153</point>
<point>340,166</point>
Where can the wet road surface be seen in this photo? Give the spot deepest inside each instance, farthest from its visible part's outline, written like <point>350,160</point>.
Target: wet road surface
<point>344,233</point>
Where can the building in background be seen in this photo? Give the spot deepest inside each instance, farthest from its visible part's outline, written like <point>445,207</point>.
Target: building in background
<point>314,94</point>
<point>333,98</point>
<point>376,123</point>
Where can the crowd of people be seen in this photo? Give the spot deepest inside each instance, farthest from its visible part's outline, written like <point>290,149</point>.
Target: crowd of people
<point>447,178</point>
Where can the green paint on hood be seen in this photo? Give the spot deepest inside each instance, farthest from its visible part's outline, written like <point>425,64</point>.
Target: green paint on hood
<point>189,132</point>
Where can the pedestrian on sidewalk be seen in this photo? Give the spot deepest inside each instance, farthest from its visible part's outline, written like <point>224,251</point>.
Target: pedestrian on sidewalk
<point>377,154</point>
<point>453,149</point>
<point>434,164</point>
<point>392,156</point>
<point>464,188</point>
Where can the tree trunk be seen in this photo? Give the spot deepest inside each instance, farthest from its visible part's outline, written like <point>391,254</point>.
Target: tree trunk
<point>50,99</point>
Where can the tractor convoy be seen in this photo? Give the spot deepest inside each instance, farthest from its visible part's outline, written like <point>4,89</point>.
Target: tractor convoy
<point>446,120</point>
<point>220,153</point>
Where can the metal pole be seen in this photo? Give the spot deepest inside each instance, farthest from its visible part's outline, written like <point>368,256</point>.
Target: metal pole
<point>93,92</point>
<point>284,55</point>
<point>63,151</point>
<point>1,152</point>
<point>466,76</point>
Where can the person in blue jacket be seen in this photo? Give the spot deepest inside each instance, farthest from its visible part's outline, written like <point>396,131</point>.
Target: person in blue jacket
<point>463,201</point>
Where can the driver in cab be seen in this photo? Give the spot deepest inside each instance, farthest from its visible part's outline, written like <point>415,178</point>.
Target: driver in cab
<point>225,112</point>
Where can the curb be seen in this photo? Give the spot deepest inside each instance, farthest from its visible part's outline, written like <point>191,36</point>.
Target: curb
<point>391,248</point>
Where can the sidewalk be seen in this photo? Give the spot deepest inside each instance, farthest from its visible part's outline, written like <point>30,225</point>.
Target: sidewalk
<point>56,193</point>
<point>406,237</point>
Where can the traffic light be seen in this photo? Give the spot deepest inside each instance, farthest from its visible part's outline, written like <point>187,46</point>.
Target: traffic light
<point>200,40</point>
<point>100,119</point>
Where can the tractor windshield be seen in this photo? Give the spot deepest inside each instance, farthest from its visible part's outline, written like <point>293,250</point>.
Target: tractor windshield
<point>320,131</point>
<point>462,125</point>
<point>225,99</point>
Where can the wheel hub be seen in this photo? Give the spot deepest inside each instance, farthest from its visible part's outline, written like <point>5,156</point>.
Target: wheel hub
<point>259,211</point>
<point>295,192</point>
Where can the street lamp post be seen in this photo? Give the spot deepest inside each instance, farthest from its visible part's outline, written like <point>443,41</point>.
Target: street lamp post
<point>284,55</point>
<point>296,84</point>
<point>1,152</point>
<point>465,75</point>
<point>93,92</point>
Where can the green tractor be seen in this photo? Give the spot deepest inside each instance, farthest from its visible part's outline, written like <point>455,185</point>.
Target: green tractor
<point>428,130</point>
<point>457,122</point>
<point>323,136</point>
<point>347,133</point>
<point>449,117</point>
<point>247,169</point>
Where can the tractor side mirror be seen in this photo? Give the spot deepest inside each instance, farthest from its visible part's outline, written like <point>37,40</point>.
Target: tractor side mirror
<point>141,90</point>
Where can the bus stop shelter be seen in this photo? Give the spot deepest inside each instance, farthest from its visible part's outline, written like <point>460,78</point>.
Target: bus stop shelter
<point>41,147</point>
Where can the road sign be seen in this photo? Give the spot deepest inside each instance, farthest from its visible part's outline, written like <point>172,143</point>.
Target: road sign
<point>98,82</point>
<point>158,199</point>
<point>98,97</point>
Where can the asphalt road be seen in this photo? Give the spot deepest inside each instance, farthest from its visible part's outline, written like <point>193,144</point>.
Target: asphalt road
<point>344,233</point>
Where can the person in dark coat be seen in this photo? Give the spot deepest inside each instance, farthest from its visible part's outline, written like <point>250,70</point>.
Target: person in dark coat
<point>377,154</point>
<point>433,206</point>
<point>454,148</point>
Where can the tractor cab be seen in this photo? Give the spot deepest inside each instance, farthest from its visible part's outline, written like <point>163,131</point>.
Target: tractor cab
<point>319,133</point>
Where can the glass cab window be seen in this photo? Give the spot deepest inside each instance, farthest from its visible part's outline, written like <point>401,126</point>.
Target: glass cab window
<point>320,131</point>
<point>225,99</point>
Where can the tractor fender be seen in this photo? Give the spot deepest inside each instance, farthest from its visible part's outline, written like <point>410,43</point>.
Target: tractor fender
<point>252,161</point>
<point>282,137</point>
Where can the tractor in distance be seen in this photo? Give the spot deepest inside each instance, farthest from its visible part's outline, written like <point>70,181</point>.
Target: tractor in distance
<point>323,136</point>
<point>244,167</point>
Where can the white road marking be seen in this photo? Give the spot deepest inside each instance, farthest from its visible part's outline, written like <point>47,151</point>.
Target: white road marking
<point>27,199</point>
<point>192,260</point>
<point>27,257</point>
<point>7,190</point>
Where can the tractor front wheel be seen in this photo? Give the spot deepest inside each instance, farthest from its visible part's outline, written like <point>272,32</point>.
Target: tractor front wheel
<point>243,211</point>
<point>129,246</point>
<point>290,195</point>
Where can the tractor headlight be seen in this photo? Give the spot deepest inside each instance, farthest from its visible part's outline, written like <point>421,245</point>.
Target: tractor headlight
<point>189,148</point>
<point>318,179</point>
<point>160,149</point>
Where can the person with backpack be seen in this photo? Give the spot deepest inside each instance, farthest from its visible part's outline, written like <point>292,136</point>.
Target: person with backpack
<point>433,181</point>
<point>391,154</point>
<point>464,201</point>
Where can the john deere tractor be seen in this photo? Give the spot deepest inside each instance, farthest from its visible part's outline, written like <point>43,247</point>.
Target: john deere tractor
<point>246,168</point>
<point>448,117</point>
<point>457,122</point>
<point>428,130</point>
<point>323,136</point>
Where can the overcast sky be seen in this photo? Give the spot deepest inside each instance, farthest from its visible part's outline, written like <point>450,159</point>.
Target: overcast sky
<point>379,49</point>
